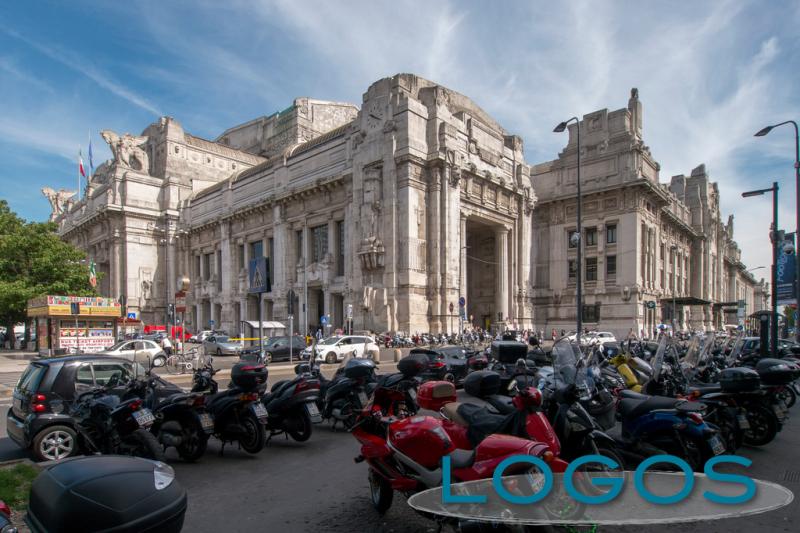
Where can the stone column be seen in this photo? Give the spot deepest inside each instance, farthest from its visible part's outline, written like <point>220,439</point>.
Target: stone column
<point>501,271</point>
<point>434,240</point>
<point>115,266</point>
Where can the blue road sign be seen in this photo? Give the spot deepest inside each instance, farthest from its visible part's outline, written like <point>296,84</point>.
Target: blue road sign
<point>259,276</point>
<point>132,316</point>
<point>462,301</point>
<point>323,320</point>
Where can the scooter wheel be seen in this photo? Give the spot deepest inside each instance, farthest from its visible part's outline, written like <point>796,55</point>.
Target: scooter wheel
<point>256,435</point>
<point>763,426</point>
<point>193,445</point>
<point>299,428</point>
<point>381,492</point>
<point>145,444</point>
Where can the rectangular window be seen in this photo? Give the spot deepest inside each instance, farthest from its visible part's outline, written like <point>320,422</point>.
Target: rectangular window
<point>591,269</point>
<point>671,281</point>
<point>572,270</point>
<point>340,257</point>
<point>662,276</point>
<point>591,313</point>
<point>611,234</point>
<point>319,243</point>
<point>219,269</point>
<point>270,260</point>
<point>240,256</point>
<point>570,241</point>
<point>206,266</point>
<point>298,239</point>
<point>611,266</point>
<point>197,267</point>
<point>591,236</point>
<point>256,249</point>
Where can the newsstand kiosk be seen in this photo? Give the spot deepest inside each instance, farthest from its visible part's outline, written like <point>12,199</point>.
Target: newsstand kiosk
<point>73,324</point>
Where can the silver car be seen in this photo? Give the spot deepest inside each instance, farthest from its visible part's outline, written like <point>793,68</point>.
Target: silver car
<point>221,345</point>
<point>127,350</point>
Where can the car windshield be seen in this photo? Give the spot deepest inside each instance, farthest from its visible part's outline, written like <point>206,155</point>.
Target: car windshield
<point>221,338</point>
<point>329,340</point>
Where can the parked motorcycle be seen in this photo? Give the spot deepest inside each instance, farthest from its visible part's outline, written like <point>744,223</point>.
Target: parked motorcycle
<point>108,425</point>
<point>292,405</point>
<point>404,453</point>
<point>344,396</point>
<point>181,420</point>
<point>239,416</point>
<point>657,425</point>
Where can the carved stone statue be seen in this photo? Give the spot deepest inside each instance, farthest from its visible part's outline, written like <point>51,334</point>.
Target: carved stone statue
<point>59,201</point>
<point>127,150</point>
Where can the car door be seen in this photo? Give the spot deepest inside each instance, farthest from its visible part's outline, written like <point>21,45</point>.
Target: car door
<point>280,348</point>
<point>127,350</point>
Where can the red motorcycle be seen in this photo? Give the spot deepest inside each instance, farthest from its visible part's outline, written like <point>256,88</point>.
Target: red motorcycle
<point>404,452</point>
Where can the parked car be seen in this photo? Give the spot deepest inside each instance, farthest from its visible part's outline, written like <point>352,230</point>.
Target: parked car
<point>127,349</point>
<point>333,349</point>
<point>277,348</point>
<point>447,363</point>
<point>38,419</point>
<point>221,345</point>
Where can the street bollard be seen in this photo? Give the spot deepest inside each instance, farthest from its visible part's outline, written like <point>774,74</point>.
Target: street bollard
<point>397,354</point>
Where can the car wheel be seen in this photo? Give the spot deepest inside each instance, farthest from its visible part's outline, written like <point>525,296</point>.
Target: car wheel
<point>330,358</point>
<point>268,357</point>
<point>54,443</point>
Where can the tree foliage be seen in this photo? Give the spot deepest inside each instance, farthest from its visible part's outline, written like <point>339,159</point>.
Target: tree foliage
<point>34,261</point>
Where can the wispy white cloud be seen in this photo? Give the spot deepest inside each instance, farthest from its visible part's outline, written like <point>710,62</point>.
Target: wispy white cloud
<point>10,66</point>
<point>85,67</point>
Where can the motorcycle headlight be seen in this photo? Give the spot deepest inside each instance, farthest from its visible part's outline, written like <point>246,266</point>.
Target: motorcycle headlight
<point>163,475</point>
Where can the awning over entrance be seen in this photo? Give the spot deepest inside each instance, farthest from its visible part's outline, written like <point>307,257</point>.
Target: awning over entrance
<point>686,300</point>
<point>266,325</point>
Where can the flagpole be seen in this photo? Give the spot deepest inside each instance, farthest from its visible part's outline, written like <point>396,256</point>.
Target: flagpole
<point>79,177</point>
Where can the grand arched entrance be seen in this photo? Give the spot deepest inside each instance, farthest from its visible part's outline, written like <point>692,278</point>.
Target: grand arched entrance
<point>485,263</point>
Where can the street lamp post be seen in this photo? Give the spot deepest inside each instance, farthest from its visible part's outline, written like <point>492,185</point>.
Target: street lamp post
<point>579,231</point>
<point>774,239</point>
<point>674,250</point>
<point>762,132</point>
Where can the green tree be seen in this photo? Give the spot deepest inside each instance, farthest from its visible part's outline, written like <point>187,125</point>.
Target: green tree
<point>34,261</point>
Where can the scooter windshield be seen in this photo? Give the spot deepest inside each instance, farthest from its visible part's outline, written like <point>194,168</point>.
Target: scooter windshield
<point>658,360</point>
<point>565,362</point>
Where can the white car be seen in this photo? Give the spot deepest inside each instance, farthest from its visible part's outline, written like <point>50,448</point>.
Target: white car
<point>599,337</point>
<point>127,349</point>
<point>333,349</point>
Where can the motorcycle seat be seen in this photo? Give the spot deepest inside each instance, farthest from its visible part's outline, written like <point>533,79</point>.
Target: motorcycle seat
<point>634,408</point>
<point>461,458</point>
<point>502,404</point>
<point>450,411</point>
<point>633,395</point>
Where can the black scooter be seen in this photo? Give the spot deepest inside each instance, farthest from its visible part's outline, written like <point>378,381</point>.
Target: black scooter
<point>238,414</point>
<point>292,405</point>
<point>108,425</point>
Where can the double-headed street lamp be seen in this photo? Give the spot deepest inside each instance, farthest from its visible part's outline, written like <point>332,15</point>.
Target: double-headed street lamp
<point>761,133</point>
<point>579,231</point>
<point>774,239</point>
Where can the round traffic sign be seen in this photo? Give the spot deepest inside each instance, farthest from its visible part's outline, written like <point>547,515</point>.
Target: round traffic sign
<point>462,301</point>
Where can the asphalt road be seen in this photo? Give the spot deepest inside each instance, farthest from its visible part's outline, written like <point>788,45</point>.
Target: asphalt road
<point>316,486</point>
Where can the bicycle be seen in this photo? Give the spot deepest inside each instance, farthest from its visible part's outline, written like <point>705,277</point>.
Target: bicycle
<point>178,363</point>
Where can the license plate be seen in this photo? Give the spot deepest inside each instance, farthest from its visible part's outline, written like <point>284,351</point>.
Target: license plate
<point>313,412</point>
<point>717,446</point>
<point>362,397</point>
<point>260,411</point>
<point>206,422</point>
<point>743,422</point>
<point>144,417</point>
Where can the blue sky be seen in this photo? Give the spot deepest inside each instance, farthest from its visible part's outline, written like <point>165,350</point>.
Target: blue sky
<point>709,74</point>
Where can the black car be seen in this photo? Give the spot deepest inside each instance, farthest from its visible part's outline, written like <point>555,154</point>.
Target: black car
<point>277,348</point>
<point>445,363</point>
<point>38,419</point>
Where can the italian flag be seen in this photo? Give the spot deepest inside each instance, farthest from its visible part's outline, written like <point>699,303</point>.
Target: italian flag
<point>92,271</point>
<point>80,164</point>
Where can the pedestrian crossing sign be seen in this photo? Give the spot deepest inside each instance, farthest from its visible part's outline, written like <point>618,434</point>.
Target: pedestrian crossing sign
<point>259,276</point>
